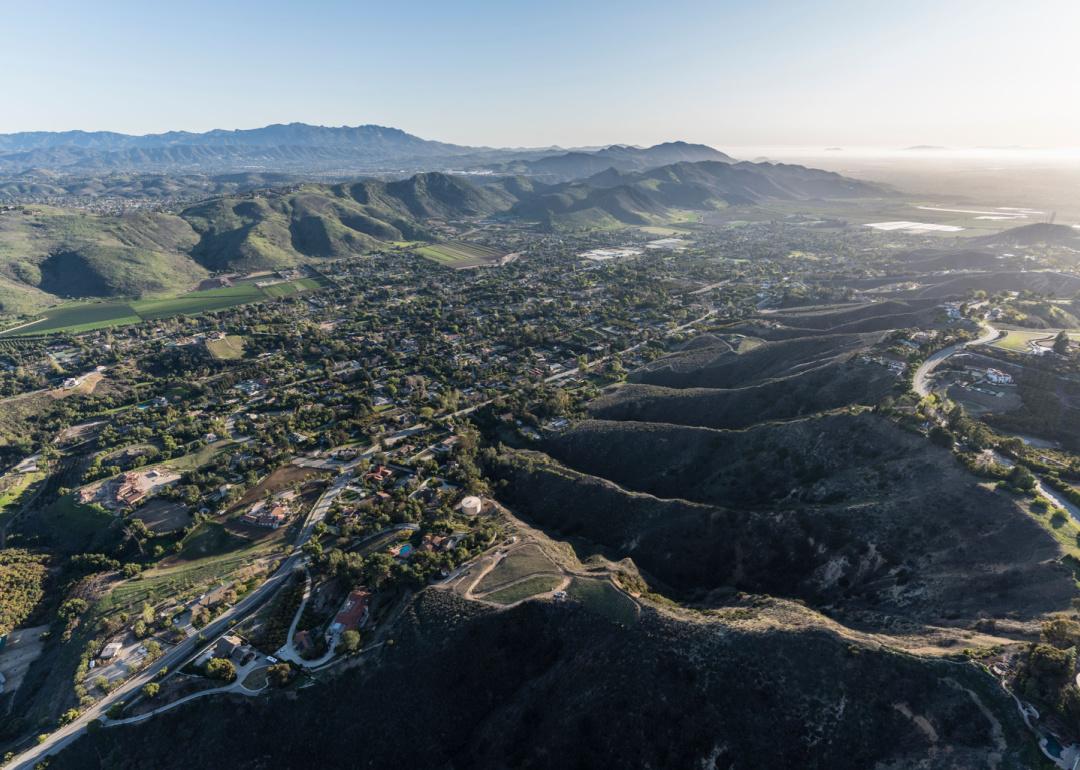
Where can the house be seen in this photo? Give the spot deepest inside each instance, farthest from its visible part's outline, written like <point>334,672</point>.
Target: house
<point>134,486</point>
<point>353,613</point>
<point>263,515</point>
<point>379,473</point>
<point>111,650</point>
<point>227,646</point>
<point>999,377</point>
<point>435,542</point>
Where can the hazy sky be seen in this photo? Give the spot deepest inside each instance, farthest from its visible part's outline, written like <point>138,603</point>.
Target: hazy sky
<point>531,72</point>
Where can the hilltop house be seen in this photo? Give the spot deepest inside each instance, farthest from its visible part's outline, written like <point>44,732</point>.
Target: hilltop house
<point>263,515</point>
<point>353,613</point>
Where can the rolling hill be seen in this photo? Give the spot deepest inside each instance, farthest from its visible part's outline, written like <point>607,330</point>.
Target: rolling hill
<point>640,198</point>
<point>49,253</point>
<point>1037,234</point>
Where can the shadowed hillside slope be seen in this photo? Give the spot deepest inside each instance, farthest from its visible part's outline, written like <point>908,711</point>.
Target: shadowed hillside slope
<point>830,386</point>
<point>841,511</point>
<point>539,684</point>
<point>712,363</point>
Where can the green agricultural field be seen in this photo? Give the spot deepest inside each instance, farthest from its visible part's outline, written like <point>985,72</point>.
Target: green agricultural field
<point>88,316</point>
<point>78,317</point>
<point>198,302</point>
<point>456,254</point>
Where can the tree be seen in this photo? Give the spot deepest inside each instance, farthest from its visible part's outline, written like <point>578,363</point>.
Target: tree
<point>279,674</point>
<point>941,437</point>
<point>69,716</point>
<point>151,689</point>
<point>1061,343</point>
<point>72,608</point>
<point>221,668</point>
<point>350,641</point>
<point>1021,478</point>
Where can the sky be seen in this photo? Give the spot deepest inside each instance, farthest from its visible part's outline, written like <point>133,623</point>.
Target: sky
<point>871,73</point>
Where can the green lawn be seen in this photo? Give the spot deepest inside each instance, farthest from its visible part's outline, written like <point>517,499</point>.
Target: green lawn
<point>209,539</point>
<point>1018,340</point>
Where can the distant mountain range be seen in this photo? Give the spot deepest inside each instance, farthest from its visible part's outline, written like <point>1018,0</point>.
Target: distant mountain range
<point>323,150</point>
<point>271,148</point>
<point>298,148</point>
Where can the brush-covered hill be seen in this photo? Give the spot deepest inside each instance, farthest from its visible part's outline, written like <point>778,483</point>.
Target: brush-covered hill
<point>655,196</point>
<point>1036,234</point>
<point>47,254</point>
<point>711,362</point>
<point>1046,282</point>
<point>830,386</point>
<point>858,317</point>
<point>547,685</point>
<point>843,511</point>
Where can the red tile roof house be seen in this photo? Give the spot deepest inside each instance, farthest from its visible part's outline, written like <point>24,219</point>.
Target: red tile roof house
<point>380,473</point>
<point>353,613</point>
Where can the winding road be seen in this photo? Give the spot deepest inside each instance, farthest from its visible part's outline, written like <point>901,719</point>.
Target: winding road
<point>921,383</point>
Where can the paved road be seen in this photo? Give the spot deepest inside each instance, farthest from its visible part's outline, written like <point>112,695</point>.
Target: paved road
<point>177,655</point>
<point>921,382</point>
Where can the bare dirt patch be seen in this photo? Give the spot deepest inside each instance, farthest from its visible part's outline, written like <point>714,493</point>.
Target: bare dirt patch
<point>162,516</point>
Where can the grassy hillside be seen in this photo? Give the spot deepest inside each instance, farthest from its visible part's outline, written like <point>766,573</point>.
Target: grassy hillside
<point>48,253</point>
<point>656,195</point>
